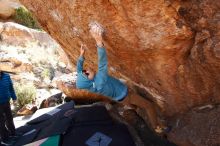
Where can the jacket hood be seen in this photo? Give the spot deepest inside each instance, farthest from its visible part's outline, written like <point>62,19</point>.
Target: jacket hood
<point>82,82</point>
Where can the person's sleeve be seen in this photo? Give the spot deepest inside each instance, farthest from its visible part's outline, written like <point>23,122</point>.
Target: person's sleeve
<point>80,62</point>
<point>12,91</point>
<point>102,60</point>
<point>102,66</point>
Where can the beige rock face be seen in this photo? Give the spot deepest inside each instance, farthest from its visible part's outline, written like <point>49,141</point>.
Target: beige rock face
<point>7,8</point>
<point>18,35</point>
<point>168,49</point>
<point>11,67</point>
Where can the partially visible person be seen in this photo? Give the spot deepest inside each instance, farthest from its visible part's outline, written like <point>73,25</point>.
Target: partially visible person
<point>7,127</point>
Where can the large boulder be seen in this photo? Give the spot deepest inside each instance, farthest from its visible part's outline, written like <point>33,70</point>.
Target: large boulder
<point>168,49</point>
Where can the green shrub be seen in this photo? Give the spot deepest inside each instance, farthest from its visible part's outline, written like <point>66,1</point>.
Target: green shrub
<point>25,94</point>
<point>24,17</point>
<point>45,73</point>
<point>48,73</point>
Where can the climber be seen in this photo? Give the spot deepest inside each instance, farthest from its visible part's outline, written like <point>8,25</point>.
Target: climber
<point>104,84</point>
<point>100,82</point>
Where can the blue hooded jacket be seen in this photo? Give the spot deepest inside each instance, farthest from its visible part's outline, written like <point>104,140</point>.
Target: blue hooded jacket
<point>102,82</point>
<point>6,88</point>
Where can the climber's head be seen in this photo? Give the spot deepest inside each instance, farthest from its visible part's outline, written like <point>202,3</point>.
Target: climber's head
<point>85,80</point>
<point>89,73</point>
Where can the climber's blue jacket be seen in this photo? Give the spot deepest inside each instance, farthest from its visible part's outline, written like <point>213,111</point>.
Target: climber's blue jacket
<point>102,82</point>
<point>6,88</point>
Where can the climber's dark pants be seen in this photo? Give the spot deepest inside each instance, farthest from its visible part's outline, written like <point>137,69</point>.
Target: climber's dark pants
<point>7,127</point>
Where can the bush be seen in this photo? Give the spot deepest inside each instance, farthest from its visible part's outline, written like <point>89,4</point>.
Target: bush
<point>24,17</point>
<point>48,73</point>
<point>45,73</point>
<point>25,94</point>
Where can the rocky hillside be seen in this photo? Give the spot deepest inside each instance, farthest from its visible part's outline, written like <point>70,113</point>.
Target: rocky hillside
<point>35,60</point>
<point>20,45</point>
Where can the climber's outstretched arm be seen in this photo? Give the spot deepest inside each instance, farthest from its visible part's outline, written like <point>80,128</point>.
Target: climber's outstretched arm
<point>102,74</point>
<point>102,60</point>
<point>81,59</point>
<point>97,31</point>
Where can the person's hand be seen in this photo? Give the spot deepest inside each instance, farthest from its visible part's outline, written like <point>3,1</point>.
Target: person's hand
<point>13,105</point>
<point>14,102</point>
<point>82,50</point>
<point>96,34</point>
